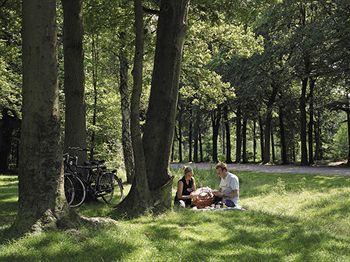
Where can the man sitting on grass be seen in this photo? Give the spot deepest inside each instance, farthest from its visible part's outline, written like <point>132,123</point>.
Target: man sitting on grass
<point>229,187</point>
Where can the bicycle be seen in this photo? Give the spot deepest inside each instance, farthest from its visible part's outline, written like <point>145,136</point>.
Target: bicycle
<point>99,182</point>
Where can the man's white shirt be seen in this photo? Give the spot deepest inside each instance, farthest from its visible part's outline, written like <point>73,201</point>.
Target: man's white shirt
<point>228,185</point>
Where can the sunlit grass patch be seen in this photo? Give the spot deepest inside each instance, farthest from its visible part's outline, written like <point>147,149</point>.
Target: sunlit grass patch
<point>290,218</point>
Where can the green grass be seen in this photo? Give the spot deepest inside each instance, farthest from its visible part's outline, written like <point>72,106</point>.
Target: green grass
<point>290,218</point>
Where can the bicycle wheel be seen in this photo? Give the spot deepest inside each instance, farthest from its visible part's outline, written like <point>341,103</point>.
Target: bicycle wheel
<point>118,189</point>
<point>79,190</point>
<point>105,187</point>
<point>68,189</point>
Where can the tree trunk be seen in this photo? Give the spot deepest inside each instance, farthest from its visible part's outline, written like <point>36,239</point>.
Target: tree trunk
<point>273,146</point>
<point>284,157</point>
<point>262,142</point>
<point>180,136</point>
<point>196,135</point>
<point>74,89</point>
<point>348,122</point>
<point>228,137</point>
<point>238,135</point>
<point>94,84</point>
<point>244,140</point>
<point>254,141</point>
<point>302,107</point>
<point>268,120</point>
<point>200,146</point>
<point>42,202</point>
<point>223,132</point>
<point>139,198</point>
<point>190,131</point>
<point>8,124</point>
<point>125,109</point>
<point>216,117</point>
<point>311,121</point>
<point>318,148</point>
<point>160,120</point>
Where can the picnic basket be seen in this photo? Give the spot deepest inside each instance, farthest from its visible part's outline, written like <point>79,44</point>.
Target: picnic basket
<point>202,197</point>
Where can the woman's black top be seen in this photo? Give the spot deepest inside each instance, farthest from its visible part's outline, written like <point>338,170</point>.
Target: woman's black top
<point>186,190</point>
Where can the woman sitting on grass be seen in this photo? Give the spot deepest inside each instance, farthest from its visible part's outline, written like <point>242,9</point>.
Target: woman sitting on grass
<point>185,187</point>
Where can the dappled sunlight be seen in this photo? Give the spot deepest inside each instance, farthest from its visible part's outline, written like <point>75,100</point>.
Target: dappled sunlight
<point>289,217</point>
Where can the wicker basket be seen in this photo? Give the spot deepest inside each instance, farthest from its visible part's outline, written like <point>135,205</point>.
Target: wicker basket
<point>202,197</point>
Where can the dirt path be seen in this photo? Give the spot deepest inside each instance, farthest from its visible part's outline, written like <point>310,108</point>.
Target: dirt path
<point>324,170</point>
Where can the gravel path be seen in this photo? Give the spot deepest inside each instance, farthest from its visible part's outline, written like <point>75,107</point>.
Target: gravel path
<point>322,170</point>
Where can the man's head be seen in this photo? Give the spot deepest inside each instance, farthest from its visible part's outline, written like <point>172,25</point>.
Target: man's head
<point>221,169</point>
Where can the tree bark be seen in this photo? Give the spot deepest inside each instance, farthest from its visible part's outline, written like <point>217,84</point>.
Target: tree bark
<point>348,123</point>
<point>180,135</point>
<point>190,138</point>
<point>268,120</point>
<point>160,120</point>
<point>244,140</point>
<point>262,142</point>
<point>196,136</point>
<point>228,136</point>
<point>303,123</point>
<point>124,91</point>
<point>139,198</point>
<point>284,157</point>
<point>311,120</point>
<point>318,143</point>
<point>42,201</point>
<point>254,141</point>
<point>8,124</point>
<point>215,119</point>
<point>74,88</point>
<point>273,146</point>
<point>94,84</point>
<point>238,135</point>
<point>200,145</point>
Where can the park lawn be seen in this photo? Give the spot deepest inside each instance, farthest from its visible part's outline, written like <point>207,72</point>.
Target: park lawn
<point>290,218</point>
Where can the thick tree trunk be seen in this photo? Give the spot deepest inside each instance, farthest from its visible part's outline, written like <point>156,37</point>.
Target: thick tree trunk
<point>238,135</point>
<point>284,157</point>
<point>124,91</point>
<point>215,119</point>
<point>228,136</point>
<point>160,120</point>
<point>42,202</point>
<point>303,123</point>
<point>94,84</point>
<point>139,198</point>
<point>74,89</point>
<point>311,121</point>
<point>254,141</point>
<point>244,140</point>
<point>262,142</point>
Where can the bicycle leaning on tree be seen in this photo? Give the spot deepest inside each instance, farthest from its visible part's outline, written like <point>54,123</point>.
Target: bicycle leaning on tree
<point>92,179</point>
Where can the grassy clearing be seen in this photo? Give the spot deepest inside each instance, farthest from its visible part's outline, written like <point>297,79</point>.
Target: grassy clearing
<point>290,218</point>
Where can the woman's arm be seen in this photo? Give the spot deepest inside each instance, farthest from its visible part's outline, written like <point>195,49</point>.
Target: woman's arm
<point>193,185</point>
<point>179,191</point>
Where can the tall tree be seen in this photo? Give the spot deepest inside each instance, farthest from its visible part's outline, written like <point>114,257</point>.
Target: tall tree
<point>42,203</point>
<point>160,120</point>
<point>124,91</point>
<point>74,89</point>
